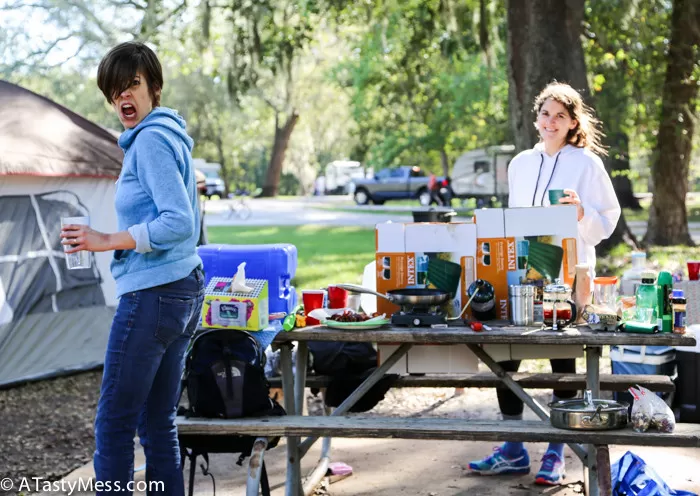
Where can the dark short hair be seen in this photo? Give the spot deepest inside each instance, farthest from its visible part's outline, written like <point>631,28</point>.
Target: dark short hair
<point>117,70</point>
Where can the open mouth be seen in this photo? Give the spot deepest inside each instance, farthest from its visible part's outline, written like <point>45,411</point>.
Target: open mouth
<point>128,110</point>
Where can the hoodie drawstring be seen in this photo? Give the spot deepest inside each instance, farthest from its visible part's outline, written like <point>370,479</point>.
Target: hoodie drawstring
<point>537,184</point>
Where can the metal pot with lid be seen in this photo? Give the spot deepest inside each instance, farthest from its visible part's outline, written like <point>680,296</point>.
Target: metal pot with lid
<point>589,414</point>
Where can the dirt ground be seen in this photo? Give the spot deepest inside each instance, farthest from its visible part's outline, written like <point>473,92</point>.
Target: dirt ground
<point>46,431</point>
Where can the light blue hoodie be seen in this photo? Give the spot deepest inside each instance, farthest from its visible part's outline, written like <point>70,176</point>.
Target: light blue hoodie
<point>156,201</point>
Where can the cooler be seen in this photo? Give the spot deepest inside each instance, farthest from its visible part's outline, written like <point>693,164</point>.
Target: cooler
<point>275,262</point>
<point>650,360</point>
<point>687,404</point>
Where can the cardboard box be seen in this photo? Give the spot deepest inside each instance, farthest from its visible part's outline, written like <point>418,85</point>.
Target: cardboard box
<point>384,351</point>
<point>431,359</point>
<point>525,245</point>
<point>503,352</point>
<point>425,255</point>
<point>458,359</point>
<point>243,311</point>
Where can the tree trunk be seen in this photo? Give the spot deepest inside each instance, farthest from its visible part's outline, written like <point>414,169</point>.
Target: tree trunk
<point>668,219</point>
<point>535,59</point>
<point>274,169</point>
<point>445,161</point>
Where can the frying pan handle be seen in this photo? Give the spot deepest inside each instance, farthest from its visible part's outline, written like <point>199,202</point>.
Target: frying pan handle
<point>361,289</point>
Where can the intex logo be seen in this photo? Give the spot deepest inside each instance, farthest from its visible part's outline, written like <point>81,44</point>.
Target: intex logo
<point>411,275</point>
<point>234,373</point>
<point>511,254</point>
<point>504,309</point>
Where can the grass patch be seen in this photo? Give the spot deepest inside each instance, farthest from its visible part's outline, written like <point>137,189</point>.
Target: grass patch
<point>326,255</point>
<point>693,207</point>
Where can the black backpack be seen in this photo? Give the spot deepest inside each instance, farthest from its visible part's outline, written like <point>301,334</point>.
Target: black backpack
<point>349,364</point>
<point>225,378</point>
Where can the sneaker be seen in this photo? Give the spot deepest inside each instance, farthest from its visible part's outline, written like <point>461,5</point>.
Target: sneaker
<point>552,471</point>
<point>500,463</point>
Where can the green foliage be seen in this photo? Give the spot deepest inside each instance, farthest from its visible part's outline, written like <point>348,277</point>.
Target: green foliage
<point>626,49</point>
<point>289,184</point>
<point>421,86</point>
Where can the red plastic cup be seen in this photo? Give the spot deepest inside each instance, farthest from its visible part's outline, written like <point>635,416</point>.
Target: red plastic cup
<point>337,297</point>
<point>312,299</point>
<point>694,270</point>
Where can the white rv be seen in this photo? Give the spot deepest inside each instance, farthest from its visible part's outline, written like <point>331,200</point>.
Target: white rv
<point>339,175</point>
<point>483,173</point>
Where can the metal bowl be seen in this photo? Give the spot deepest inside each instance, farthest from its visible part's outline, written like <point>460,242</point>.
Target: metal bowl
<point>577,414</point>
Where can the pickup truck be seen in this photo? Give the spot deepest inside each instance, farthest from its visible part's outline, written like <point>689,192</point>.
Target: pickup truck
<point>396,183</point>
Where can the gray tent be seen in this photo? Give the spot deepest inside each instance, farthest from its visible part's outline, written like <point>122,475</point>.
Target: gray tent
<point>53,164</point>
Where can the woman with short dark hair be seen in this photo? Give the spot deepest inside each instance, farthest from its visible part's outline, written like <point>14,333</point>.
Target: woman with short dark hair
<point>158,273</point>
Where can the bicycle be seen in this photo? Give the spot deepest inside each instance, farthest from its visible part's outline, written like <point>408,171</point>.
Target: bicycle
<point>239,208</point>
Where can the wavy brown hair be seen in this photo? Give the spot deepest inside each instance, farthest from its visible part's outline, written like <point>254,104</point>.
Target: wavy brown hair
<point>587,133</point>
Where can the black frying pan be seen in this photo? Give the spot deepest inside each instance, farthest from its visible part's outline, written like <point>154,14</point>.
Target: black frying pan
<point>409,296</point>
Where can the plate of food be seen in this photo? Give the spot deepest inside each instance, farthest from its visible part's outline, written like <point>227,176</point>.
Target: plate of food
<point>350,319</point>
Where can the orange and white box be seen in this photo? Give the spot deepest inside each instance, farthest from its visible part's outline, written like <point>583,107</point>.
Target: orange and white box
<point>425,255</point>
<point>533,245</point>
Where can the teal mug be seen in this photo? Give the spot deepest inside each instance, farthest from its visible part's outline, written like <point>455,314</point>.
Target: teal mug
<point>555,195</point>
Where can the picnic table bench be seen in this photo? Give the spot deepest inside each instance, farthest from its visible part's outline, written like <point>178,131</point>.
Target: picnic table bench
<point>527,380</point>
<point>590,446</point>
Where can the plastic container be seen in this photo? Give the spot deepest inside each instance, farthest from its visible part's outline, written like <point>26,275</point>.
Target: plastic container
<point>647,299</point>
<point>649,360</point>
<point>632,278</point>
<point>605,292</point>
<point>275,262</point>
<point>678,307</point>
<point>687,401</point>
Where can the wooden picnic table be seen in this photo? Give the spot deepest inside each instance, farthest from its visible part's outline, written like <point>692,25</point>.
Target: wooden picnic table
<point>595,457</point>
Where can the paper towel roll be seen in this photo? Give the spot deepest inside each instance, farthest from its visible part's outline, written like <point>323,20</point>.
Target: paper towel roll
<point>369,280</point>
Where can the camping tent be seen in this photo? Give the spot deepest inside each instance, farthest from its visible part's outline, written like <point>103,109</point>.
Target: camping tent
<point>53,164</point>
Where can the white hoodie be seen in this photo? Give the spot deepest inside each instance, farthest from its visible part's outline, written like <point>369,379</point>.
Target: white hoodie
<point>578,169</point>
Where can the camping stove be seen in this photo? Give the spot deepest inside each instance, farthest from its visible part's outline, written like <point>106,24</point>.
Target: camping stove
<point>414,316</point>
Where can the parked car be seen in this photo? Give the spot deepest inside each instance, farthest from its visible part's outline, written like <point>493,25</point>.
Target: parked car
<point>483,173</point>
<point>397,183</point>
<point>214,184</point>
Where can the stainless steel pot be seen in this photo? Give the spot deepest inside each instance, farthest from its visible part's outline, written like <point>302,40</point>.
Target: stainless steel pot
<point>588,414</point>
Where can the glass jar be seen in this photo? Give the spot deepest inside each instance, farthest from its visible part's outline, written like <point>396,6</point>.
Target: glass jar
<point>558,307</point>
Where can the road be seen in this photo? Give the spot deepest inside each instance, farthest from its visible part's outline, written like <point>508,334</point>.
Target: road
<point>317,211</point>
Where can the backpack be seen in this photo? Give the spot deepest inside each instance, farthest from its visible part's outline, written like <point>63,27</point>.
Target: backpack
<point>224,378</point>
<point>349,364</point>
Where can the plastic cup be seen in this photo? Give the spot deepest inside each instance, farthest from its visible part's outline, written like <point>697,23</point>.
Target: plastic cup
<point>81,259</point>
<point>693,270</point>
<point>555,195</point>
<point>312,299</point>
<point>645,315</point>
<point>337,297</point>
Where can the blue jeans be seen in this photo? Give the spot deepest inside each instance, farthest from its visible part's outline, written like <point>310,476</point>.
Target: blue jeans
<point>141,384</point>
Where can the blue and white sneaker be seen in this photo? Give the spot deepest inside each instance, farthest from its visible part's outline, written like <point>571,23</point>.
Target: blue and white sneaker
<point>500,463</point>
<point>552,472</point>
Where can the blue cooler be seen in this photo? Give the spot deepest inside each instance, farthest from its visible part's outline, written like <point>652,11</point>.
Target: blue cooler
<point>275,262</point>
<point>650,360</point>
